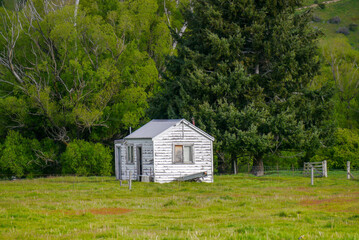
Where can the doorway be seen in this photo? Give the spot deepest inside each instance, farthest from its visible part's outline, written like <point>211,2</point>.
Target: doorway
<point>139,163</point>
<point>118,167</point>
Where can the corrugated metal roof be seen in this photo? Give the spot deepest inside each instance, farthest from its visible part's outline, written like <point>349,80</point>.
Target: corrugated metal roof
<point>153,128</point>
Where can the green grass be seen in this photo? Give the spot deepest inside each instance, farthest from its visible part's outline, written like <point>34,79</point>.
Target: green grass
<point>348,11</point>
<point>233,207</point>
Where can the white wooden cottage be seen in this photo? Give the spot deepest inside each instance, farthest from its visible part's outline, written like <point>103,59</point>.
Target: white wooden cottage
<point>164,150</point>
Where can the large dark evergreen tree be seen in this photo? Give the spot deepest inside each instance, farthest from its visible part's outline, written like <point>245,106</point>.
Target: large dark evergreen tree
<point>242,71</point>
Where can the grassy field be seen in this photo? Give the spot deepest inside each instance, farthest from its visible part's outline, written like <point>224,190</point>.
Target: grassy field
<point>347,11</point>
<point>234,207</point>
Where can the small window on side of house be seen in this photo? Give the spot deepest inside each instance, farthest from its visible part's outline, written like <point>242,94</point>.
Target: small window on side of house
<point>130,154</point>
<point>187,154</point>
<point>183,154</point>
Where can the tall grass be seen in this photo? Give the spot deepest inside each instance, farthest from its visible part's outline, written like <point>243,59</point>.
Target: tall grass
<point>276,206</point>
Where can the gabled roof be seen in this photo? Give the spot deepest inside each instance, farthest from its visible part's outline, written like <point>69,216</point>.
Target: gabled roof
<point>153,128</point>
<point>158,126</point>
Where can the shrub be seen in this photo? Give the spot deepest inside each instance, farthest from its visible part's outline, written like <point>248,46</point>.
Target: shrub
<point>353,27</point>
<point>321,5</point>
<point>17,156</point>
<point>343,30</point>
<point>346,148</point>
<point>47,156</point>
<point>316,19</point>
<point>316,2</point>
<point>334,20</point>
<point>85,158</point>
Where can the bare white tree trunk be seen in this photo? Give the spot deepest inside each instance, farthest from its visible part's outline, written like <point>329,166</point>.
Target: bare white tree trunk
<point>166,12</point>
<point>76,8</point>
<point>257,69</point>
<point>183,29</point>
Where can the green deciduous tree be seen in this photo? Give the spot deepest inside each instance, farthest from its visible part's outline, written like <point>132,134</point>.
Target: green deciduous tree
<point>75,78</point>
<point>340,68</point>
<point>242,71</point>
<point>143,22</point>
<point>79,70</point>
<point>346,148</point>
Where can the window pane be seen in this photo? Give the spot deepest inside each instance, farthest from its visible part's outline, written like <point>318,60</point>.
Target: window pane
<point>187,154</point>
<point>128,154</point>
<point>178,154</point>
<point>131,154</point>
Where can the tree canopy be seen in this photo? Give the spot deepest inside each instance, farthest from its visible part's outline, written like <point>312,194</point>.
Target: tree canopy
<point>75,75</point>
<point>242,71</point>
<point>72,72</point>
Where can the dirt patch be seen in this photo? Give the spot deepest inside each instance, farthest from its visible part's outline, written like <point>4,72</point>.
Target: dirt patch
<point>95,211</point>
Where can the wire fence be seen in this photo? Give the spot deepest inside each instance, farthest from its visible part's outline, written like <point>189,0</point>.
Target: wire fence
<point>58,177</point>
<point>268,171</point>
<point>294,171</point>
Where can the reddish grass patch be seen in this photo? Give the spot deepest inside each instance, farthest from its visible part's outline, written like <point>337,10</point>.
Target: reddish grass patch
<point>336,204</point>
<point>96,211</point>
<point>305,189</point>
<point>237,195</point>
<point>327,201</point>
<point>109,211</point>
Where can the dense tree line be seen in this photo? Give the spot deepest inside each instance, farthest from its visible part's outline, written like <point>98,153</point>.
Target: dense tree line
<point>78,72</point>
<point>75,75</point>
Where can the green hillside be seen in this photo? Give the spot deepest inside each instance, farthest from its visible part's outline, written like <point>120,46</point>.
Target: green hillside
<point>346,10</point>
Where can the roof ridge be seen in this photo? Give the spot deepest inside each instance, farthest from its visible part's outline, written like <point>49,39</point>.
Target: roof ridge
<point>176,119</point>
<point>153,128</point>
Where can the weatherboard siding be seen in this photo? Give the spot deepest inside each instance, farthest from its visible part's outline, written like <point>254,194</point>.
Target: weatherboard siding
<point>166,170</point>
<point>147,158</point>
<point>157,139</point>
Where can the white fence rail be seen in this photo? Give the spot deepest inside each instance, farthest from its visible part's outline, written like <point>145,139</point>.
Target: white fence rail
<point>320,169</point>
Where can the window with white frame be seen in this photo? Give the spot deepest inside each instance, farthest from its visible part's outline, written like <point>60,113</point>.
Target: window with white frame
<point>183,154</point>
<point>130,154</point>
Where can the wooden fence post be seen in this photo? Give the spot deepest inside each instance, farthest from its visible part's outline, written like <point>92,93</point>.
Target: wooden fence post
<point>235,167</point>
<point>312,176</point>
<point>129,182</point>
<point>348,169</point>
<point>325,169</point>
